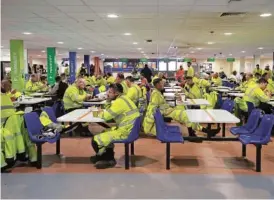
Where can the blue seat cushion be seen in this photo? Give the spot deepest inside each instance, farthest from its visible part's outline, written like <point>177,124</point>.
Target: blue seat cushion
<point>173,128</point>
<point>251,139</point>
<point>173,137</point>
<point>239,131</point>
<point>36,139</point>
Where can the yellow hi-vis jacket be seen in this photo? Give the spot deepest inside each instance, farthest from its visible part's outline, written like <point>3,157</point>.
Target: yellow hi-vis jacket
<point>270,86</point>
<point>212,98</point>
<point>124,112</point>
<point>190,71</point>
<point>74,97</point>
<point>244,85</point>
<point>16,95</point>
<point>260,71</point>
<point>202,83</point>
<point>135,94</point>
<point>32,87</point>
<point>217,81</point>
<point>125,87</point>
<point>110,80</point>
<point>178,113</point>
<point>193,92</point>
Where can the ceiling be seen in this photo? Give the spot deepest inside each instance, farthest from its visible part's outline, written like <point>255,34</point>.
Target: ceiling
<point>185,24</point>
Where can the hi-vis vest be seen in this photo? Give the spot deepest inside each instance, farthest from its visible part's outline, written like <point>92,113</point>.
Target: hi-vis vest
<point>136,95</point>
<point>7,108</point>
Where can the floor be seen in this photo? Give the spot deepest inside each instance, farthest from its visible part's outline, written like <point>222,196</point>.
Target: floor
<point>214,169</point>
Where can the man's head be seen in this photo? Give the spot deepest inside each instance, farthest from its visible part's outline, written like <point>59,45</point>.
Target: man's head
<point>160,75</point>
<point>257,66</point>
<point>181,67</point>
<point>189,81</point>
<point>215,75</point>
<point>234,73</point>
<point>257,75</point>
<point>5,86</point>
<point>267,67</point>
<point>146,66</point>
<point>158,84</point>
<point>98,77</point>
<point>109,74</point>
<point>80,83</point>
<point>120,78</point>
<point>248,76</point>
<point>262,83</point>
<point>58,79</point>
<point>43,79</point>
<point>142,76</point>
<point>63,76</point>
<point>188,64</point>
<point>33,78</point>
<point>115,90</point>
<point>129,81</point>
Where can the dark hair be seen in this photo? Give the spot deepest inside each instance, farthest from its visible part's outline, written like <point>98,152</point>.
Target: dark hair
<point>188,62</point>
<point>109,74</point>
<point>32,76</point>
<point>189,77</point>
<point>244,78</point>
<point>63,74</point>
<point>58,78</point>
<point>42,78</point>
<point>121,76</point>
<point>146,65</point>
<point>257,74</point>
<point>156,81</point>
<point>262,80</point>
<point>257,65</point>
<point>130,79</point>
<point>117,87</point>
<point>264,75</point>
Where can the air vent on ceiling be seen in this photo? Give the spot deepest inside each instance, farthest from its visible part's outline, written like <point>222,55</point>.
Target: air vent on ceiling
<point>232,14</point>
<point>234,1</point>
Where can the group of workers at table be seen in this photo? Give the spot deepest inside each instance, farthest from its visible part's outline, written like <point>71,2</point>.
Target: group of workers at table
<point>124,100</point>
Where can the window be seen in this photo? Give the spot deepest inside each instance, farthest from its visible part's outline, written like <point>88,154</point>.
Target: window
<point>162,66</point>
<point>172,66</point>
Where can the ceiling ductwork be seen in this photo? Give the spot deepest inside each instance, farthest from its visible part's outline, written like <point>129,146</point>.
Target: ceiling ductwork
<point>233,14</point>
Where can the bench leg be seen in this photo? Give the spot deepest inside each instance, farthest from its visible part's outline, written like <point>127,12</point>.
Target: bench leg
<point>58,147</point>
<point>223,130</point>
<point>126,156</point>
<point>258,157</point>
<point>167,155</point>
<point>70,133</point>
<point>209,128</point>
<point>39,156</point>
<point>132,148</point>
<point>243,150</point>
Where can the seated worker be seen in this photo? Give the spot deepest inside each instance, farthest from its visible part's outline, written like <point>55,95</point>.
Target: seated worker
<point>268,71</point>
<point>59,88</point>
<point>144,81</point>
<point>43,84</point>
<point>200,82</point>
<point>120,78</point>
<point>192,91</point>
<point>12,124</point>
<point>32,85</point>
<point>159,75</point>
<point>270,85</point>
<point>247,81</point>
<point>254,94</point>
<point>13,93</point>
<point>124,112</point>
<point>216,80</point>
<point>64,78</point>
<point>101,83</point>
<point>75,95</point>
<point>135,93</point>
<point>257,77</point>
<point>157,100</point>
<point>110,78</point>
<point>258,70</point>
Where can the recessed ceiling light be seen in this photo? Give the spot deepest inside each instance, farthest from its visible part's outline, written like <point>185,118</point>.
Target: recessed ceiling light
<point>2,46</point>
<point>260,48</point>
<point>39,55</point>
<point>80,48</point>
<point>102,54</point>
<point>127,34</point>
<point>230,54</point>
<point>43,51</point>
<point>228,33</point>
<point>139,48</point>
<point>60,42</point>
<point>92,51</point>
<point>135,43</point>
<point>27,33</point>
<point>174,47</point>
<point>210,42</point>
<point>199,48</point>
<point>142,52</point>
<point>60,54</point>
<point>243,51</point>
<point>192,52</point>
<point>112,16</point>
<point>265,15</point>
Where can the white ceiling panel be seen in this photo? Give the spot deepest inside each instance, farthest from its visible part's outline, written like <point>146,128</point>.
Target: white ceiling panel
<point>212,2</point>
<point>23,2</point>
<point>65,2</point>
<point>74,9</point>
<point>104,2</point>
<point>176,2</point>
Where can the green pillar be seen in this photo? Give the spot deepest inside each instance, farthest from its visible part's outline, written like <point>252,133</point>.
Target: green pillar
<point>17,64</point>
<point>51,65</point>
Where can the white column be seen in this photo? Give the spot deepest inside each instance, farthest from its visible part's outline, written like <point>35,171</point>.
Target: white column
<point>242,65</point>
<point>257,60</point>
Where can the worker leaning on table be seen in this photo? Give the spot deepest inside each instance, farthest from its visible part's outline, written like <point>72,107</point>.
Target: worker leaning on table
<point>124,112</point>
<point>192,90</point>
<point>110,78</point>
<point>32,85</point>
<point>12,126</point>
<point>157,100</point>
<point>135,93</point>
<point>75,95</point>
<point>247,81</point>
<point>254,94</point>
<point>270,85</point>
<point>216,80</point>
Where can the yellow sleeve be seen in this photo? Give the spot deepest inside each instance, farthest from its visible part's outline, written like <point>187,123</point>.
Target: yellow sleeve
<point>113,111</point>
<point>131,94</point>
<point>75,96</point>
<point>31,87</point>
<point>261,95</point>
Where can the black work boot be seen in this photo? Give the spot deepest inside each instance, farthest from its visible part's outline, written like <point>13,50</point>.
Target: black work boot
<point>193,136</point>
<point>212,132</point>
<point>104,164</point>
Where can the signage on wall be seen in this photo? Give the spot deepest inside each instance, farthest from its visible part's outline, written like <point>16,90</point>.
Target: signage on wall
<point>230,59</point>
<point>210,59</point>
<point>189,60</point>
